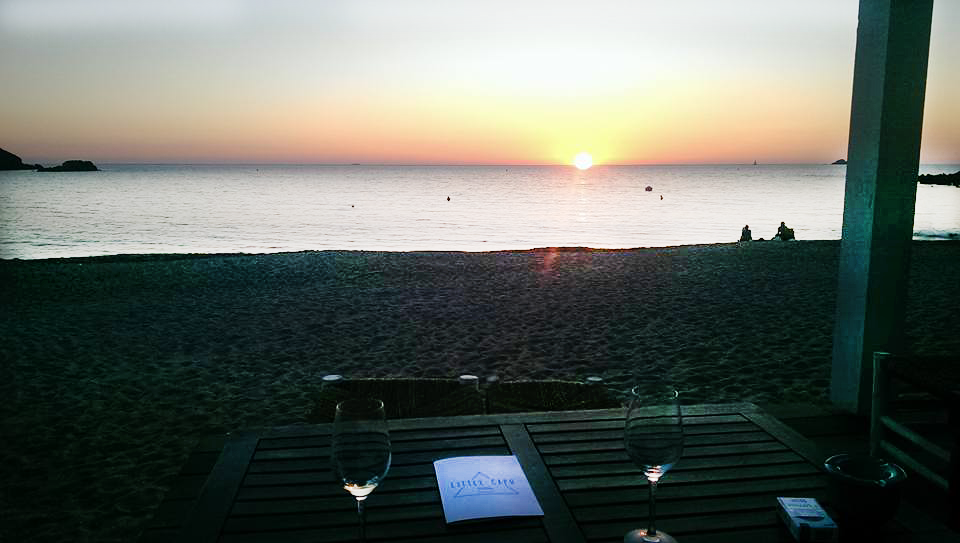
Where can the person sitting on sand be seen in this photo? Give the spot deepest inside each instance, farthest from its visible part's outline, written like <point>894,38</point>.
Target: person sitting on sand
<point>784,233</point>
<point>745,233</point>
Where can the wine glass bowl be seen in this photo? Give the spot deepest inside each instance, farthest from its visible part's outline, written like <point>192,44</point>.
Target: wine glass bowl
<point>361,450</point>
<point>653,438</point>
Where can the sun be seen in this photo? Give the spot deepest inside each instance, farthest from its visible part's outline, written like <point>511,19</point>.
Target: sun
<point>583,160</point>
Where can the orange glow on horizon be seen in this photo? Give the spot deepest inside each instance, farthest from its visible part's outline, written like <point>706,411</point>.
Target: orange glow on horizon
<point>449,83</point>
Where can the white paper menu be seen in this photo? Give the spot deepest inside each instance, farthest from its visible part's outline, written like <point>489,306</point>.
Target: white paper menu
<point>475,487</point>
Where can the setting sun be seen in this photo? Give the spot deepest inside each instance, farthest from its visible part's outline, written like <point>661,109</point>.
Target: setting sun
<point>583,161</point>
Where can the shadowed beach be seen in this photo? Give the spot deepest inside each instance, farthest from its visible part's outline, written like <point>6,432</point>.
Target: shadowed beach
<point>113,367</point>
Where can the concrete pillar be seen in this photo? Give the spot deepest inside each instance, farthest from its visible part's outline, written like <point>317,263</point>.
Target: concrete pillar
<point>889,80</point>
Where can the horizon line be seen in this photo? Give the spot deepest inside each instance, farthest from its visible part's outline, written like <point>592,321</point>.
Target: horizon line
<point>487,165</point>
<point>469,164</point>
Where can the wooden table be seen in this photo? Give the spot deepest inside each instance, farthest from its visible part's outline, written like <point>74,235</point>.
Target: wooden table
<point>276,485</point>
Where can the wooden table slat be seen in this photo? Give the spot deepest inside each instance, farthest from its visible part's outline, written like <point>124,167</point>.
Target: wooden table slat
<point>783,433</point>
<point>516,535</point>
<point>296,442</point>
<point>626,466</point>
<point>614,455</point>
<point>446,444</point>
<point>216,498</point>
<point>395,531</point>
<point>795,485</point>
<point>327,487</point>
<point>617,423</point>
<point>744,474</point>
<point>772,534</point>
<point>616,433</point>
<point>678,526</point>
<point>332,502</point>
<point>667,508</point>
<point>319,465</point>
<point>693,441</point>
<point>320,435</point>
<point>398,449</point>
<point>430,456</point>
<point>558,521</point>
<point>290,465</point>
<point>445,433</point>
<point>295,478</point>
<point>329,517</point>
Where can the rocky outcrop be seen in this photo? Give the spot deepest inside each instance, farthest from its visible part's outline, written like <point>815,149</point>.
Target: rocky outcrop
<point>10,161</point>
<point>952,179</point>
<point>840,162</point>
<point>72,166</point>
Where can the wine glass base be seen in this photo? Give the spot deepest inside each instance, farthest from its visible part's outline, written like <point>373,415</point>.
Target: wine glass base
<point>640,536</point>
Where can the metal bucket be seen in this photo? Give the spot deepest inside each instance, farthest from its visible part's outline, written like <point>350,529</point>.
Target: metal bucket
<point>865,490</point>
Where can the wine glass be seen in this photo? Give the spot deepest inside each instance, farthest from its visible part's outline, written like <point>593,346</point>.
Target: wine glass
<point>361,450</point>
<point>653,436</point>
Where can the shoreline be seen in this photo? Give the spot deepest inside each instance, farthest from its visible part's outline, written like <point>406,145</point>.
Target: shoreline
<point>115,366</point>
<point>165,257</point>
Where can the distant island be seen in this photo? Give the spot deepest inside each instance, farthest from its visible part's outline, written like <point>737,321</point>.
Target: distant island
<point>952,179</point>
<point>840,162</point>
<point>10,161</point>
<point>72,166</point>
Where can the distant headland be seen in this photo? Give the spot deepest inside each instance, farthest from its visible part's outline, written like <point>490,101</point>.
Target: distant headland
<point>10,161</point>
<point>952,179</point>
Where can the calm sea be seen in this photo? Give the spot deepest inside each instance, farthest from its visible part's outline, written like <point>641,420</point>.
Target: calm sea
<point>254,209</point>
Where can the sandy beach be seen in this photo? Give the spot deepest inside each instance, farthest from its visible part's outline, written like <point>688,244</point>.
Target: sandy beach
<point>113,367</point>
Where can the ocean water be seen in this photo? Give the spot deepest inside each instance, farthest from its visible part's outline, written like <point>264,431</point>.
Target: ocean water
<point>136,209</point>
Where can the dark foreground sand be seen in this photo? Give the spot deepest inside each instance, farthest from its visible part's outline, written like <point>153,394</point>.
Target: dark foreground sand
<point>113,367</point>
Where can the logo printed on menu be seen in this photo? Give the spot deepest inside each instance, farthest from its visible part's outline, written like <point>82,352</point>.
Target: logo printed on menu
<point>483,485</point>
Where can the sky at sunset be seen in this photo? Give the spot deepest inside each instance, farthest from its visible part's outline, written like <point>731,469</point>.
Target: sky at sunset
<point>445,81</point>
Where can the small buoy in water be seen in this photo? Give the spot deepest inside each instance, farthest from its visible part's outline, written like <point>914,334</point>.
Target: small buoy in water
<point>649,188</point>
<point>661,197</point>
<point>351,205</point>
<point>448,198</point>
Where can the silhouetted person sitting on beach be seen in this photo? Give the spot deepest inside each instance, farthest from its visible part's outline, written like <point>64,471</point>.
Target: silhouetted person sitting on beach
<point>745,233</point>
<point>784,233</point>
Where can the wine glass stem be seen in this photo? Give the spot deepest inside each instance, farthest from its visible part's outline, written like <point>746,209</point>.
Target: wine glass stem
<point>362,513</point>
<point>652,527</point>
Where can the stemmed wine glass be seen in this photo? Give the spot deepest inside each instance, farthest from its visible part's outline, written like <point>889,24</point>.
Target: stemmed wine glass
<point>653,436</point>
<point>361,450</point>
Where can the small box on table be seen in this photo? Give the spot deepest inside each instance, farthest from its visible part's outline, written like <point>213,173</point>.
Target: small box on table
<point>806,520</point>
